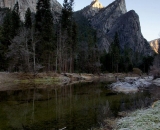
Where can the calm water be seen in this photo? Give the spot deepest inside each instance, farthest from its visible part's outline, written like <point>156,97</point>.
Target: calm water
<point>76,107</point>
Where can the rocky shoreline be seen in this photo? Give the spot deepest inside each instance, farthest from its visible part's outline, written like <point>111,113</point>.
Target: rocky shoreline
<point>134,84</point>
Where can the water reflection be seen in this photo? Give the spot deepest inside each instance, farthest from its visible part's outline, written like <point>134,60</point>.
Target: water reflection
<point>76,107</point>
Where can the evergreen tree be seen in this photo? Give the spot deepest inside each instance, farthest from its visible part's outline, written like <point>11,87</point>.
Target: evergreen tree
<point>67,12</point>
<point>74,43</point>
<point>28,19</point>
<point>115,53</point>
<point>67,35</point>
<point>7,28</point>
<point>44,20</point>
<point>44,26</point>
<point>6,36</point>
<point>15,20</point>
<point>2,51</point>
<point>116,41</point>
<point>147,62</point>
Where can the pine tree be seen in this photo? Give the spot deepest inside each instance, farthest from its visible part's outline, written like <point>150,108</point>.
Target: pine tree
<point>44,19</point>
<point>15,20</point>
<point>116,41</point>
<point>67,32</point>
<point>5,39</point>
<point>7,28</point>
<point>115,53</point>
<point>44,26</point>
<point>28,19</point>
<point>74,35</point>
<point>39,15</point>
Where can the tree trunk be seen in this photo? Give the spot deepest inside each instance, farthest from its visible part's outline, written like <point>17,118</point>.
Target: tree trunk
<point>34,58</point>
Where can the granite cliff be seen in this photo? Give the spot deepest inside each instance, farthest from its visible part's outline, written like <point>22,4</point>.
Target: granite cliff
<point>129,30</point>
<point>24,4</point>
<point>155,44</point>
<point>92,9</point>
<point>115,18</point>
<point>106,17</point>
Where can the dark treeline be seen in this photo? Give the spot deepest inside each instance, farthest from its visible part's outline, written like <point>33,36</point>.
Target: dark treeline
<point>69,45</point>
<point>124,60</point>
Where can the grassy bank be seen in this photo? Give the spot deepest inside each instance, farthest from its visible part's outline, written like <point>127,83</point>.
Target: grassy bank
<point>51,77</point>
<point>27,77</point>
<point>18,81</point>
<point>147,119</point>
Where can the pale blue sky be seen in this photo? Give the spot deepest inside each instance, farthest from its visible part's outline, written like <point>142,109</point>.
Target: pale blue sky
<point>148,11</point>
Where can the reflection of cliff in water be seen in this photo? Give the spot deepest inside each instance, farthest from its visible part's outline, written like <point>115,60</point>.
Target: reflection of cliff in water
<point>78,106</point>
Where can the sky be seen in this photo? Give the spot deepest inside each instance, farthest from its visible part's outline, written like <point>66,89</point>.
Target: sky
<point>148,11</point>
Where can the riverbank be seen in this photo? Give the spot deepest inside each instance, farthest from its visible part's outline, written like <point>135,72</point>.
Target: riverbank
<point>8,80</point>
<point>142,119</point>
<point>41,88</point>
<point>145,119</point>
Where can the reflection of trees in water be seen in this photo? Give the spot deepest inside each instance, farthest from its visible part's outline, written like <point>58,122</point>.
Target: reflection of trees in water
<point>73,106</point>
<point>33,105</point>
<point>131,103</point>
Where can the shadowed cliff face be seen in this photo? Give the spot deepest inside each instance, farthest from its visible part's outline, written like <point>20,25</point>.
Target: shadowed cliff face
<point>115,18</point>
<point>155,44</point>
<point>24,4</point>
<point>106,17</point>
<point>129,30</point>
<point>102,19</point>
<point>92,9</point>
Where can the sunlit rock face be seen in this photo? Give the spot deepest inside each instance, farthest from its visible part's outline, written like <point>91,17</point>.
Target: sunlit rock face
<point>24,4</point>
<point>155,44</point>
<point>92,9</point>
<point>96,4</point>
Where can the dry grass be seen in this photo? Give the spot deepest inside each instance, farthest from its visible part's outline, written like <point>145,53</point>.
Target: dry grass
<point>137,71</point>
<point>8,80</point>
<point>155,72</point>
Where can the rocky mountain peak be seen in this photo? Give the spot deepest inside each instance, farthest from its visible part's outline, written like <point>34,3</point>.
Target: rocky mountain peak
<point>155,45</point>
<point>122,6</point>
<point>92,9</point>
<point>106,17</point>
<point>96,4</point>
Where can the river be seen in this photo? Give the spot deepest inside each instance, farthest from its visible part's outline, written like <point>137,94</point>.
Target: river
<point>74,107</point>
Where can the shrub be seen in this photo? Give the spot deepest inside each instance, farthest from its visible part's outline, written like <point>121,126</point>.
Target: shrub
<point>137,71</point>
<point>155,72</point>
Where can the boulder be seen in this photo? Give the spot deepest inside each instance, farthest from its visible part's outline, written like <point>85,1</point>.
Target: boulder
<point>131,84</point>
<point>156,82</point>
<point>124,87</point>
